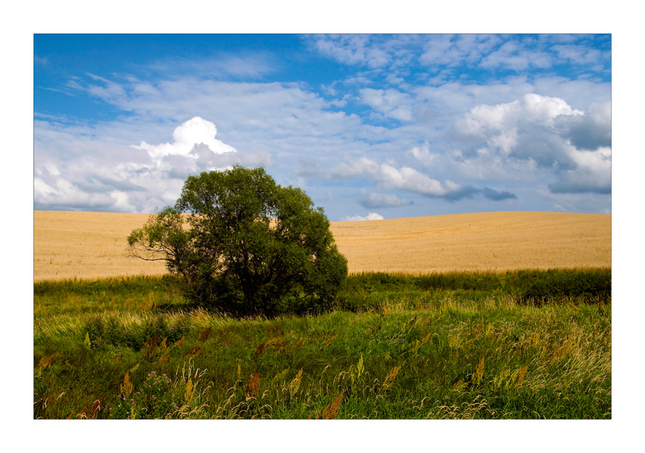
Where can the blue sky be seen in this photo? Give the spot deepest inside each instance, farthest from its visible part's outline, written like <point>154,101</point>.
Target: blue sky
<point>370,125</point>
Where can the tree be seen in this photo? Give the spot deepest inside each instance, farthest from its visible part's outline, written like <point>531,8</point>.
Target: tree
<point>245,245</point>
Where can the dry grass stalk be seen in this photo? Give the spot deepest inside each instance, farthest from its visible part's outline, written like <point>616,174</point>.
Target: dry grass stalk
<point>425,339</point>
<point>272,332</point>
<point>90,412</point>
<point>194,351</point>
<point>330,411</point>
<point>561,351</point>
<point>459,386</point>
<point>535,339</point>
<point>277,343</point>
<point>127,387</point>
<point>410,322</point>
<point>330,341</point>
<point>520,376</point>
<point>477,329</point>
<point>44,362</point>
<point>294,385</point>
<point>479,372</point>
<point>253,386</point>
<point>259,349</point>
<point>150,346</point>
<point>204,335</point>
<point>391,376</point>
<point>188,393</point>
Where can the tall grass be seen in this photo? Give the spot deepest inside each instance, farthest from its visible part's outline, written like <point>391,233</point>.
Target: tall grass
<point>399,347</point>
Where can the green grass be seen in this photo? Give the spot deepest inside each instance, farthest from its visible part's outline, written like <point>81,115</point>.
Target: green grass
<point>461,345</point>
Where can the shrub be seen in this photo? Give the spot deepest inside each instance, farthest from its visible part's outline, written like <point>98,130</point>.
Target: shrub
<point>109,331</point>
<point>588,285</point>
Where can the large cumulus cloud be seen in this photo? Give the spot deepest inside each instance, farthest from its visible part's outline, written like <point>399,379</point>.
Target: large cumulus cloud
<point>113,177</point>
<point>545,132</point>
<point>186,138</point>
<point>402,125</point>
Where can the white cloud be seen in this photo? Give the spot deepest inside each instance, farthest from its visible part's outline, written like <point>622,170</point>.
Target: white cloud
<point>52,169</point>
<point>78,167</point>
<point>533,108</point>
<point>122,201</point>
<point>389,177</point>
<point>579,54</point>
<point>592,173</point>
<point>541,132</point>
<point>369,216</point>
<point>66,193</point>
<point>590,131</point>
<point>516,56</point>
<point>186,137</point>
<point>371,200</point>
<point>544,109</point>
<point>423,154</point>
<point>407,178</point>
<point>352,49</point>
<point>390,102</point>
<point>491,117</point>
<point>457,130</point>
<point>111,91</point>
<point>520,129</point>
<point>453,50</point>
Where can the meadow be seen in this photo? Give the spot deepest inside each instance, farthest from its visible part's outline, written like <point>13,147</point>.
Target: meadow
<point>526,342</point>
<point>455,346</point>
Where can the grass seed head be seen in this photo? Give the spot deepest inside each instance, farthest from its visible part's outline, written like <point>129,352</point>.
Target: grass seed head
<point>331,411</point>
<point>253,386</point>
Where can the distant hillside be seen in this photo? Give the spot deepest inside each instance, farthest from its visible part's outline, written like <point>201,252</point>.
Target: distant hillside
<point>480,241</point>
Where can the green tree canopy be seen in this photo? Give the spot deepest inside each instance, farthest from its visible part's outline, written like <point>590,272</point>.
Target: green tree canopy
<point>245,244</point>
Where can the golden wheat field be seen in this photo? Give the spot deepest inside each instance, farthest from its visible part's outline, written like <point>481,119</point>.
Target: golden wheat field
<point>92,245</point>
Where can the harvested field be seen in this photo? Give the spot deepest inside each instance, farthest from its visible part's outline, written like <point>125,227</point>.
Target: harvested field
<point>93,245</point>
<point>477,242</point>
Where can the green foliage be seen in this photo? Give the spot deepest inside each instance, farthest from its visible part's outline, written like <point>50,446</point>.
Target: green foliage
<point>96,296</point>
<point>590,285</point>
<point>105,331</point>
<point>449,353</point>
<point>165,238</point>
<point>369,291</point>
<point>156,398</point>
<point>246,246</point>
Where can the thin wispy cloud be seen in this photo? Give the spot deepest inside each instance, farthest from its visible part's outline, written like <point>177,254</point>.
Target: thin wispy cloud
<point>393,125</point>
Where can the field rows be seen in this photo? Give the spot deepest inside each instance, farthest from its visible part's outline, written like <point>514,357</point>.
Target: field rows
<point>93,245</point>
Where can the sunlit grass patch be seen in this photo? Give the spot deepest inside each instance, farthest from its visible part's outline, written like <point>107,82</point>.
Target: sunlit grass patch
<point>418,354</point>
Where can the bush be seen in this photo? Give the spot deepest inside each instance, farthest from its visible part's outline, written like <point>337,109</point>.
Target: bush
<point>586,285</point>
<point>109,331</point>
<point>470,281</point>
